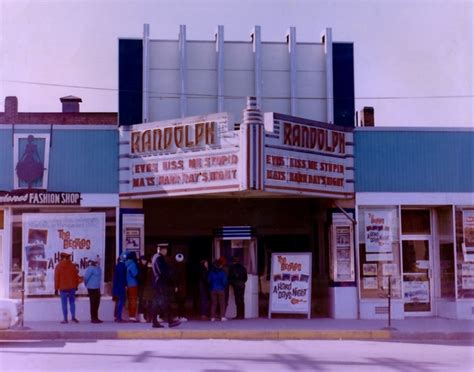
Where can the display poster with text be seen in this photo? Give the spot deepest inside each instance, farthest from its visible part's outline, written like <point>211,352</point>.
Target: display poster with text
<point>290,290</point>
<point>378,235</point>
<point>46,235</point>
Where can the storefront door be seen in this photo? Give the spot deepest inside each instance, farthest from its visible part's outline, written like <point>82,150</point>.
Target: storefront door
<point>417,281</point>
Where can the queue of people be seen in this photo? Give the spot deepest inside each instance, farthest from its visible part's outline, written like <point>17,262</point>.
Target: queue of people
<point>151,287</point>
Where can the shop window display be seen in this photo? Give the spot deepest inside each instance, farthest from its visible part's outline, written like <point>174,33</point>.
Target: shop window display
<point>465,252</point>
<point>379,252</point>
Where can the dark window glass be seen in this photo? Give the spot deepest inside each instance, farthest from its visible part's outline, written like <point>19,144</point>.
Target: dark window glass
<point>416,221</point>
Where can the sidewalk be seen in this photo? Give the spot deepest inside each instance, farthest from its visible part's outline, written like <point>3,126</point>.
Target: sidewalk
<point>420,329</point>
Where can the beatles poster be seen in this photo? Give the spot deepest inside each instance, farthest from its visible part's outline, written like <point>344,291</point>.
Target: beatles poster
<point>46,235</point>
<point>378,235</point>
<point>290,284</point>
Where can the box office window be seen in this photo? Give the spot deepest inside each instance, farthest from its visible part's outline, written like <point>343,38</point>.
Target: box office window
<point>379,251</point>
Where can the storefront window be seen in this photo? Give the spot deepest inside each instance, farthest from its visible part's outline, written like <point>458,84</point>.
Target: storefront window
<point>416,222</point>
<point>379,252</point>
<point>446,252</point>
<point>37,240</point>
<point>465,251</point>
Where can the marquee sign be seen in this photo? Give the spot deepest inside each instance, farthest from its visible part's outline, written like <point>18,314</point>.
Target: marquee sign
<point>205,154</point>
<point>195,155</point>
<point>308,158</point>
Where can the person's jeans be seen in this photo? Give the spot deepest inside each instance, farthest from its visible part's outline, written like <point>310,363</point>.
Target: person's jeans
<point>119,307</point>
<point>218,297</point>
<point>71,295</point>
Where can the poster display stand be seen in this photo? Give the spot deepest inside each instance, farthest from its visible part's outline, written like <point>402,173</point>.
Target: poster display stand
<point>290,284</point>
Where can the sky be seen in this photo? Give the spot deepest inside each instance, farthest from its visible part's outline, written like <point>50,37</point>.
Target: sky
<point>413,58</point>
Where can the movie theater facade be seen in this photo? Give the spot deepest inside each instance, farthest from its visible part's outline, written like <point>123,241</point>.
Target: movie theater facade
<point>220,156</point>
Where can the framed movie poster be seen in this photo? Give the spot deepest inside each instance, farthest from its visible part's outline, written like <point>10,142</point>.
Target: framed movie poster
<point>290,283</point>
<point>46,235</point>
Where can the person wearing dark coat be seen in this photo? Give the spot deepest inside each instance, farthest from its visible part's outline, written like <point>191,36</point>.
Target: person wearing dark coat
<point>203,289</point>
<point>163,280</point>
<point>237,279</point>
<point>119,287</point>
<point>144,276</point>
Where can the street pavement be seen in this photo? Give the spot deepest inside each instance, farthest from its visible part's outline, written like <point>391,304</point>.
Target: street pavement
<point>235,355</point>
<point>416,329</point>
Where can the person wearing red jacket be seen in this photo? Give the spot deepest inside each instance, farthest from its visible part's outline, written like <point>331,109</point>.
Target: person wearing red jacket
<point>66,281</point>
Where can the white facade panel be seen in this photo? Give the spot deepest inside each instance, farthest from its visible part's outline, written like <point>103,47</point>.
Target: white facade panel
<point>164,83</point>
<point>201,106</point>
<point>164,54</point>
<point>310,57</point>
<point>238,56</point>
<point>275,56</point>
<point>201,55</point>
<point>276,84</point>
<point>239,84</point>
<point>163,108</point>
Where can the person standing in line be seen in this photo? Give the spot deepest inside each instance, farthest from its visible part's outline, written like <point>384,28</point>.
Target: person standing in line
<point>132,285</point>
<point>162,281</point>
<point>204,289</point>
<point>237,279</point>
<point>179,273</point>
<point>92,280</point>
<point>143,283</point>
<point>119,287</point>
<point>66,281</point>
<point>217,285</point>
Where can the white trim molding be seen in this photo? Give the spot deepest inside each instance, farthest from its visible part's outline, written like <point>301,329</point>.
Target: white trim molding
<point>414,198</point>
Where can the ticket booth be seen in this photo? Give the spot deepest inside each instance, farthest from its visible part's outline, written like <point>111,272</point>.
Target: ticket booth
<point>230,241</point>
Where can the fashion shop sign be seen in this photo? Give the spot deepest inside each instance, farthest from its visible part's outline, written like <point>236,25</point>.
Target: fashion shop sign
<point>39,197</point>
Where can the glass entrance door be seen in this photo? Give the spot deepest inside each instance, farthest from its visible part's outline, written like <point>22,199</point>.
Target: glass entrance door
<point>417,286</point>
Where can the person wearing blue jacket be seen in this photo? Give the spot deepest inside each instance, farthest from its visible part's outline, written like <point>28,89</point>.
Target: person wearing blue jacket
<point>92,280</point>
<point>132,285</point>
<point>119,287</point>
<point>217,279</point>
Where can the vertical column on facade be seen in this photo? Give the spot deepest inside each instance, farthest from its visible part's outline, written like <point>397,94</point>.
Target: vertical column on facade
<point>291,40</point>
<point>146,72</point>
<point>220,68</point>
<point>183,72</point>
<point>257,52</point>
<point>252,131</point>
<point>326,38</point>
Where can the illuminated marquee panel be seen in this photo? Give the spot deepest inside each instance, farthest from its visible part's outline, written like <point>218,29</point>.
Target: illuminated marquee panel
<point>192,156</point>
<point>307,158</point>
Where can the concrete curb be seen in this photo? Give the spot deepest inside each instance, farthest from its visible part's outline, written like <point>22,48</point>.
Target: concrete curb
<point>172,334</point>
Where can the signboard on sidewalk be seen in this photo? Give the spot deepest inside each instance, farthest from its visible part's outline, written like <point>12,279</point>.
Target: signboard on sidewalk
<point>46,235</point>
<point>290,284</point>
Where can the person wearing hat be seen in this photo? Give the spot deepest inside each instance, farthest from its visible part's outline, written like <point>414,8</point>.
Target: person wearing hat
<point>92,280</point>
<point>162,281</point>
<point>66,281</point>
